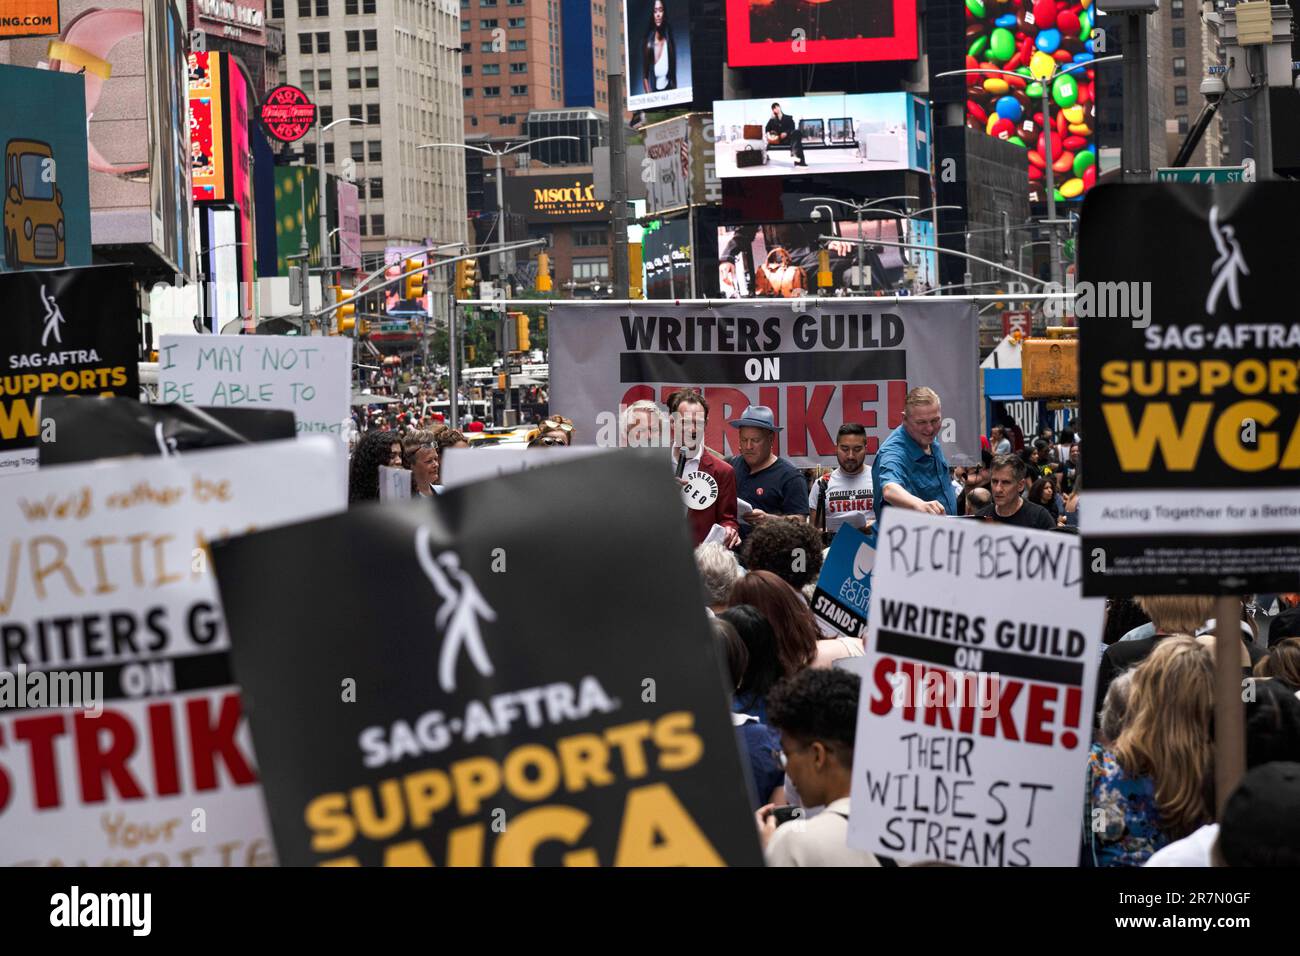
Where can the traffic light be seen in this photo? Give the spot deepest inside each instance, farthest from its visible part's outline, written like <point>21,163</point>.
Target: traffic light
<point>521,330</point>
<point>501,381</point>
<point>347,313</point>
<point>466,278</point>
<point>824,278</point>
<point>414,284</point>
<point>543,272</point>
<point>470,353</point>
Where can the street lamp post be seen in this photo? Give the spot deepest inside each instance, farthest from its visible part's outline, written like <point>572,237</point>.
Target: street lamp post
<point>1045,83</point>
<point>501,226</point>
<point>320,172</point>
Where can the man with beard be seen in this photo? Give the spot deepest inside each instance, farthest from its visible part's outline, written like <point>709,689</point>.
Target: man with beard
<point>839,495</point>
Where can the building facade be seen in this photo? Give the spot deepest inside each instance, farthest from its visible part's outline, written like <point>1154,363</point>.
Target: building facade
<point>394,65</point>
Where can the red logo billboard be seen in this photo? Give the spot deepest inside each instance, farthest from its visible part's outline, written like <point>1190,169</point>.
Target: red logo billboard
<point>287,114</point>
<point>772,32</point>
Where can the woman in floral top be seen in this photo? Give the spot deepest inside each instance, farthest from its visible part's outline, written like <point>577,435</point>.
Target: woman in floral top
<point>1148,787</point>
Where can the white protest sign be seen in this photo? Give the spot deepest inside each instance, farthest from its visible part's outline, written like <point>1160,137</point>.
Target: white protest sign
<point>464,466</point>
<point>976,711</point>
<point>309,376</point>
<point>106,585</point>
<point>394,483</point>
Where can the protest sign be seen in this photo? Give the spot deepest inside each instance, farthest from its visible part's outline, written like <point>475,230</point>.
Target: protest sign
<point>66,332</point>
<point>112,427</point>
<point>107,586</point>
<point>394,483</point>
<point>1192,407</point>
<point>310,377</point>
<point>815,365</point>
<point>843,592</point>
<point>976,712</point>
<point>465,466</point>
<point>590,729</point>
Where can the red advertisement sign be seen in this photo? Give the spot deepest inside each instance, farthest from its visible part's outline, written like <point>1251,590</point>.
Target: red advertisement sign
<point>771,32</point>
<point>288,114</point>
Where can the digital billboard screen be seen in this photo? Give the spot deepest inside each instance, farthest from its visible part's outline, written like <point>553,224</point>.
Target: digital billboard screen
<point>788,32</point>
<point>657,52</point>
<point>832,133</point>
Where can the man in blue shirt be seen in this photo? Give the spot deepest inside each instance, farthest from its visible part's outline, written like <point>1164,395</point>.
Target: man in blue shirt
<point>772,485</point>
<point>910,470</point>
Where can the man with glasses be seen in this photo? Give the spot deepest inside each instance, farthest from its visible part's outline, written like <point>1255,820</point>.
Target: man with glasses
<point>816,713</point>
<point>772,485</point>
<point>910,470</point>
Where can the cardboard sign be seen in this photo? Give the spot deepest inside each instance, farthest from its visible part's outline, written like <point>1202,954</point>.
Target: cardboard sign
<point>843,593</point>
<point>490,733</point>
<point>1192,408</point>
<point>976,711</point>
<point>112,427</point>
<point>310,376</point>
<point>68,332</point>
<point>108,584</point>
<point>816,366</point>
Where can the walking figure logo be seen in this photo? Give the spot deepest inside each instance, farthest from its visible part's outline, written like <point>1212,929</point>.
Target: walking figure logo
<point>458,617</point>
<point>1227,267</point>
<point>53,318</point>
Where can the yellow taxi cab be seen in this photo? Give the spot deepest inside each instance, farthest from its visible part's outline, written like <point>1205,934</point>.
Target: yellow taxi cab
<point>33,206</point>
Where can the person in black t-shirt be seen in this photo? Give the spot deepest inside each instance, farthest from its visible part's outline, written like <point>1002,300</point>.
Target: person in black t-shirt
<point>1007,482</point>
<point>772,485</point>
<point>782,130</point>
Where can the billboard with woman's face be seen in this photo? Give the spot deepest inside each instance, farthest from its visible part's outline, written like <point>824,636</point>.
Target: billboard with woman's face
<point>657,37</point>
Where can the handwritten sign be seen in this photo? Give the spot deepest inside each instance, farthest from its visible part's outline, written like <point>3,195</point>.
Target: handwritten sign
<point>976,709</point>
<point>310,377</point>
<point>112,557</point>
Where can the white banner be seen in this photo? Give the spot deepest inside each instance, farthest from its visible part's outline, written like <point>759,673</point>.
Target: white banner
<point>977,700</point>
<point>106,586</point>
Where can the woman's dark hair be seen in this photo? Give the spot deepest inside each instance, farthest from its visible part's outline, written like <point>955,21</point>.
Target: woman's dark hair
<point>1122,615</point>
<point>781,547</point>
<point>374,449</point>
<point>792,622</point>
<point>763,668</point>
<point>733,650</point>
<point>648,48</point>
<point>1036,492</point>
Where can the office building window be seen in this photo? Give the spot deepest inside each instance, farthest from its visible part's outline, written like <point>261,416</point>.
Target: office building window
<point>491,91</point>
<point>516,23</point>
<point>519,91</point>
<point>466,47</point>
<point>487,24</point>
<point>277,10</point>
<point>515,3</point>
<point>354,111</point>
<point>486,47</point>
<point>322,43</point>
<point>487,3</point>
<point>468,92</point>
<point>372,40</point>
<point>363,229</point>
<point>326,115</point>
<point>367,6</point>
<point>307,80</point>
<point>1179,38</point>
<point>467,69</point>
<point>351,7</point>
<point>590,268</point>
<point>353,38</point>
<point>376,151</point>
<point>324,80</point>
<point>507,119</point>
<point>518,67</point>
<point>377,224</point>
<point>598,236</point>
<point>464,26</point>
<point>491,69</point>
<point>354,77</point>
<point>518,45</point>
<point>372,77</point>
<point>1180,96</point>
<point>304,8</point>
<point>322,8</point>
<point>1176,9</point>
<point>309,153</point>
<point>304,43</point>
<point>376,188</point>
<point>372,114</point>
<point>329,154</point>
<point>359,152</point>
<point>1180,66</point>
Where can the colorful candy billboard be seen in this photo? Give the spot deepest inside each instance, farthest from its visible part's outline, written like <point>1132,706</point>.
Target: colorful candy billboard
<point>1045,43</point>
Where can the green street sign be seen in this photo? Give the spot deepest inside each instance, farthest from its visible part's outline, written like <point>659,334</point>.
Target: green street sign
<point>1202,174</point>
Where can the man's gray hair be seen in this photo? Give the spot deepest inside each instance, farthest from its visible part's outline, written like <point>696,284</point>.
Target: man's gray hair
<point>1114,711</point>
<point>661,434</point>
<point>718,569</point>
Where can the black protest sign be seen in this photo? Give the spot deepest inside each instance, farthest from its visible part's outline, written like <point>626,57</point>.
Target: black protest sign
<point>66,332</point>
<point>474,680</point>
<point>83,429</point>
<point>1190,405</point>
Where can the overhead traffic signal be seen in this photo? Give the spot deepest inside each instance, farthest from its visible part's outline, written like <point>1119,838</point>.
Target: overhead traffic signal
<point>414,285</point>
<point>824,278</point>
<point>466,278</point>
<point>543,272</point>
<point>347,313</point>
<point>470,353</point>
<point>521,330</point>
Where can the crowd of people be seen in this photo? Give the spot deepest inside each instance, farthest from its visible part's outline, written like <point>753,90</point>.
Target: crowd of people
<point>1147,795</point>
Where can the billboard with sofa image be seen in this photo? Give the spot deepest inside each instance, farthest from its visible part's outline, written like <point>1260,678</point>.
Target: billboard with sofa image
<point>832,133</point>
<point>778,260</point>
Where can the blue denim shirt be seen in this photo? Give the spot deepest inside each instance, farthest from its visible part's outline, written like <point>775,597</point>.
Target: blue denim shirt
<point>900,460</point>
